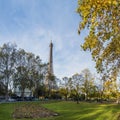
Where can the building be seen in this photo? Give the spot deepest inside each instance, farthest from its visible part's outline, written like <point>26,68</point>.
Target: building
<point>50,77</point>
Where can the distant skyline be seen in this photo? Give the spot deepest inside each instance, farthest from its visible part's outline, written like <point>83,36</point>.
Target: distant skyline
<point>32,24</point>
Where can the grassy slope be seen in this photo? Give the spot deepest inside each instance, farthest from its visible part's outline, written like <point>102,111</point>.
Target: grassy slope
<point>85,111</point>
<point>70,111</point>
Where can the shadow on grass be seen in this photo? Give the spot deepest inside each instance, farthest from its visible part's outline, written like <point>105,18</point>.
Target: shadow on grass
<point>99,112</point>
<point>89,111</point>
<point>69,111</point>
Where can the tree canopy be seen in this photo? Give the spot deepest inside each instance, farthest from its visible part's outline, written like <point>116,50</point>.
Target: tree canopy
<point>20,69</point>
<point>102,18</point>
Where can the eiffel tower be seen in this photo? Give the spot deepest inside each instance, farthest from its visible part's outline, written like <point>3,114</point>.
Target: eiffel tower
<point>50,81</point>
<point>50,66</point>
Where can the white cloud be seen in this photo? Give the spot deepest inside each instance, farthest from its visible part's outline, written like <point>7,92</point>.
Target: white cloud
<point>35,25</point>
<point>68,59</point>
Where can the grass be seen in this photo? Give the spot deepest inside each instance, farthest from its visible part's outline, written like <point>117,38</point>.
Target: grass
<point>69,111</point>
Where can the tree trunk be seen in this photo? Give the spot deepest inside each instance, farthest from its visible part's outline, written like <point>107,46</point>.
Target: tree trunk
<point>6,88</point>
<point>7,95</point>
<point>77,99</point>
<point>85,97</point>
<point>66,98</point>
<point>22,94</point>
<point>118,100</point>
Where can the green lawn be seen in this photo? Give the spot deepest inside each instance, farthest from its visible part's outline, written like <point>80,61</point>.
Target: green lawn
<point>69,111</point>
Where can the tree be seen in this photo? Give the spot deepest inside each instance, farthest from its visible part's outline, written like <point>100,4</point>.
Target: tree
<point>7,64</point>
<point>40,91</point>
<point>38,72</point>
<point>77,84</point>
<point>20,69</point>
<point>30,64</point>
<point>21,78</point>
<point>64,90</point>
<point>88,85</point>
<point>2,89</point>
<point>111,89</point>
<point>29,72</point>
<point>102,18</point>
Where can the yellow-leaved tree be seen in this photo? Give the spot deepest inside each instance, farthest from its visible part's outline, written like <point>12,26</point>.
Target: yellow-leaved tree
<point>102,18</point>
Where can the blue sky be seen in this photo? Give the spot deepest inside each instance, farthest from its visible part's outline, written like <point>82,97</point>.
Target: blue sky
<point>32,24</point>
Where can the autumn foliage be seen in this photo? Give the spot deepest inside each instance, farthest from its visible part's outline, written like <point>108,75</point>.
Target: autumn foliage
<point>102,18</point>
